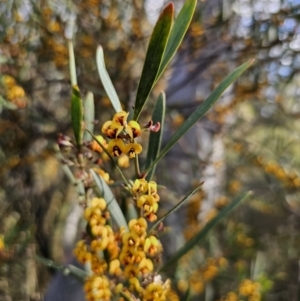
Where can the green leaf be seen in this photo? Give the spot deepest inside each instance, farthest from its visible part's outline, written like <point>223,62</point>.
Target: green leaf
<point>77,115</point>
<point>89,115</point>
<point>155,138</point>
<point>154,55</point>
<point>176,207</point>
<point>72,64</point>
<point>106,81</point>
<point>177,34</point>
<point>201,110</point>
<point>203,232</point>
<point>131,212</point>
<point>112,204</point>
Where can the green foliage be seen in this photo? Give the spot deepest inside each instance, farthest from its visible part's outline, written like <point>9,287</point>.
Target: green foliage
<point>89,116</point>
<point>77,115</point>
<point>106,81</point>
<point>154,57</point>
<point>177,34</point>
<point>201,110</point>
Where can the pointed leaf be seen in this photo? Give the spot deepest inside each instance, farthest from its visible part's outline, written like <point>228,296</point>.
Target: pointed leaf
<point>155,52</point>
<point>89,116</point>
<point>176,207</point>
<point>177,34</point>
<point>106,81</point>
<point>77,115</point>
<point>155,138</point>
<point>72,64</point>
<point>112,204</point>
<point>203,232</point>
<point>201,110</point>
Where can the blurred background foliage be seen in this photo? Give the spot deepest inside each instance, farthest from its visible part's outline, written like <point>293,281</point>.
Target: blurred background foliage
<point>248,141</point>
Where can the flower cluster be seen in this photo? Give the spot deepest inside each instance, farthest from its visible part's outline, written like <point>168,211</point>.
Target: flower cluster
<point>146,197</point>
<point>122,135</point>
<point>122,262</point>
<point>131,256</point>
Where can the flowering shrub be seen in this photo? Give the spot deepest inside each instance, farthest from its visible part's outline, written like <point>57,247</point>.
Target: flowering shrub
<point>123,256</point>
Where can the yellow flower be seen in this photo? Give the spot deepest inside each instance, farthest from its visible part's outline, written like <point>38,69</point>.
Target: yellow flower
<point>107,131</point>
<point>148,203</point>
<point>118,125</point>
<point>97,288</point>
<point>98,265</point>
<point>116,147</point>
<point>123,161</point>
<point>133,149</point>
<point>94,146</point>
<point>114,267</point>
<point>135,129</point>
<point>138,226</point>
<point>98,203</point>
<point>140,186</point>
<point>121,117</point>
<point>131,271</point>
<point>127,256</point>
<point>146,266</point>
<point>131,240</point>
<point>154,292</point>
<point>81,252</point>
<point>152,246</point>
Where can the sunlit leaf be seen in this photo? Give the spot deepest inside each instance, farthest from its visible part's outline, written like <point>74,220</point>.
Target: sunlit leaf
<point>177,34</point>
<point>155,138</point>
<point>154,55</point>
<point>89,115</point>
<point>112,204</point>
<point>72,64</point>
<point>77,115</point>
<point>201,110</point>
<point>176,207</point>
<point>106,81</point>
<point>203,232</point>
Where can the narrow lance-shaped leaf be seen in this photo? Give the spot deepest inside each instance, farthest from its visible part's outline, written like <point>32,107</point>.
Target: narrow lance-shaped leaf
<point>77,115</point>
<point>201,110</point>
<point>72,64</point>
<point>106,81</point>
<point>155,138</point>
<point>154,55</point>
<point>112,204</point>
<point>176,207</point>
<point>89,115</point>
<point>203,232</point>
<point>177,34</point>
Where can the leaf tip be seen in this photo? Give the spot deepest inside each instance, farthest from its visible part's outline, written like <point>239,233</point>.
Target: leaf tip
<point>169,9</point>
